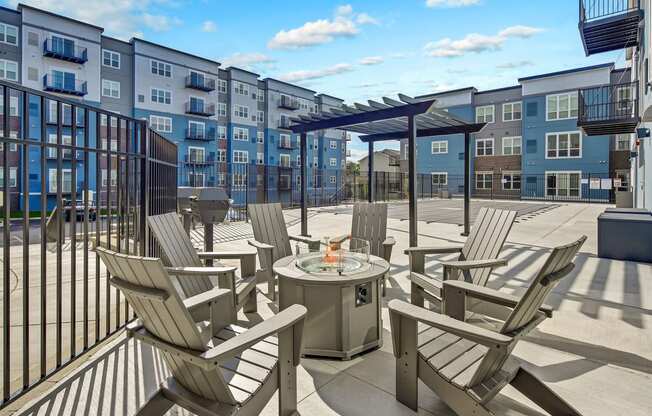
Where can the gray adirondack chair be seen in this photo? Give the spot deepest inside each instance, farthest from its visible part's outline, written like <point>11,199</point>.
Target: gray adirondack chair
<point>272,240</point>
<point>465,365</point>
<point>191,273</point>
<point>477,257</point>
<point>217,369</point>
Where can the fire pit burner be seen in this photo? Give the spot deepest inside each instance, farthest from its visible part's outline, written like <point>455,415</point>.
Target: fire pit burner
<point>335,257</point>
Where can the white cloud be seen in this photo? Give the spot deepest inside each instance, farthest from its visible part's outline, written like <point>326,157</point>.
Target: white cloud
<point>209,26</point>
<point>304,75</point>
<point>344,24</point>
<point>451,3</point>
<point>372,60</point>
<point>121,18</point>
<point>515,65</point>
<point>159,22</point>
<point>246,60</point>
<point>475,42</point>
<point>357,154</point>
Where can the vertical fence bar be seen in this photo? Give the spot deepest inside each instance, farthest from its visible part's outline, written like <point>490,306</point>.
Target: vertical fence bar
<point>6,310</point>
<point>86,220</point>
<point>44,210</point>
<point>98,219</point>
<point>120,212</point>
<point>59,268</point>
<point>109,162</point>
<point>26,210</point>
<point>73,232</point>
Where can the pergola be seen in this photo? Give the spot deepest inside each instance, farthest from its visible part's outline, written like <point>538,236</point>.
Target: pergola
<point>409,119</point>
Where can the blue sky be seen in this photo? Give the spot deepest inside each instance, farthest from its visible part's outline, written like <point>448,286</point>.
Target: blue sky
<point>358,49</point>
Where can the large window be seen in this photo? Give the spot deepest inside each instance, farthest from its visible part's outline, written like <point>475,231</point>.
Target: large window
<point>511,181</point>
<point>111,59</point>
<point>196,180</point>
<point>221,155</point>
<point>239,180</point>
<point>484,147</point>
<point>240,133</point>
<point>563,184</point>
<point>566,145</point>
<point>241,111</point>
<point>161,124</point>
<point>512,145</point>
<point>66,180</point>
<point>484,114</point>
<point>8,70</point>
<point>114,178</point>
<point>260,158</point>
<point>221,132</point>
<point>66,139</point>
<point>483,180</point>
<point>240,156</point>
<point>197,129</point>
<point>110,88</point>
<point>221,85</point>
<point>623,141</point>
<point>221,109</point>
<point>332,161</point>
<point>333,144</point>
<point>161,69</point>
<point>285,140</point>
<point>197,154</point>
<point>439,179</point>
<point>8,34</point>
<point>241,88</point>
<point>512,111</point>
<point>284,160</point>
<point>13,175</point>
<point>561,106</point>
<point>260,137</point>
<point>438,147</point>
<point>261,116</point>
<point>161,96</point>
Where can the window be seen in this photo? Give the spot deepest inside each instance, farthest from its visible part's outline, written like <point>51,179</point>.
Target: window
<point>564,145</point>
<point>512,111</point>
<point>563,184</point>
<point>333,144</point>
<point>66,140</point>
<point>511,181</point>
<point>284,160</point>
<point>221,155</point>
<point>623,141</point>
<point>196,180</point>
<point>260,158</point>
<point>511,145</point>
<point>221,132</point>
<point>439,179</point>
<point>241,111</point>
<point>8,70</point>
<point>332,179</point>
<point>438,147</point>
<point>315,162</point>
<point>285,141</point>
<point>298,160</point>
<point>261,96</point>
<point>161,124</point>
<point>221,179</point>
<point>162,69</point>
<point>221,109</point>
<point>221,86</point>
<point>13,175</point>
<point>66,180</point>
<point>240,156</point>
<point>261,116</point>
<point>196,154</point>
<point>111,59</point>
<point>483,180</point>
<point>260,137</point>
<point>240,133</point>
<point>241,88</point>
<point>484,147</point>
<point>561,106</point>
<point>110,88</point>
<point>625,104</point>
<point>8,34</point>
<point>239,179</point>
<point>161,96</point>
<point>114,177</point>
<point>332,161</point>
<point>196,129</point>
<point>484,114</point>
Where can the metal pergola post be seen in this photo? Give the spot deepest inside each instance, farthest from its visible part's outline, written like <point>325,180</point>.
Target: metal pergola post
<point>467,182</point>
<point>371,181</point>
<point>412,178</point>
<point>304,183</point>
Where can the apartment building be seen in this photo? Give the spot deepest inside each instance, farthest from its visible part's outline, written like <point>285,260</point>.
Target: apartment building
<point>228,123</point>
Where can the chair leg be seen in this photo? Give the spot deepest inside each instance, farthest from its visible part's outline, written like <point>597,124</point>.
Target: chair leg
<point>407,385</point>
<point>384,283</point>
<point>287,373</point>
<point>416,297</point>
<point>537,391</point>
<point>251,304</point>
<point>158,405</point>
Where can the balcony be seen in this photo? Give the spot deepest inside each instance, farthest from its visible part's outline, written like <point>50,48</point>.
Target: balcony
<point>286,145</point>
<point>284,123</point>
<point>608,25</point>
<point>55,82</point>
<point>200,83</point>
<point>608,109</point>
<point>199,161</point>
<point>288,103</point>
<point>200,134</point>
<point>200,109</point>
<point>65,50</point>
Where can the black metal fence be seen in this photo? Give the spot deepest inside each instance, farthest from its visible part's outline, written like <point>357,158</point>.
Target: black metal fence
<point>597,9</point>
<point>72,176</point>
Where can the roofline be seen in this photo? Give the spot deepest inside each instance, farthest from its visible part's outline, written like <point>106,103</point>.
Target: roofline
<point>329,96</point>
<point>290,85</point>
<point>513,87</point>
<point>25,6</point>
<point>434,94</point>
<point>117,40</point>
<point>135,39</point>
<point>7,9</point>
<point>229,68</point>
<point>622,69</point>
<point>567,71</point>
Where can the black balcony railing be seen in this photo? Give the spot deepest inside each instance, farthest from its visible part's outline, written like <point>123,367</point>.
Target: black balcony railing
<point>284,123</point>
<point>56,82</point>
<point>286,144</point>
<point>200,108</point>
<point>199,160</point>
<point>65,50</point>
<point>607,25</point>
<point>200,134</point>
<point>199,82</point>
<point>608,109</point>
<point>288,103</point>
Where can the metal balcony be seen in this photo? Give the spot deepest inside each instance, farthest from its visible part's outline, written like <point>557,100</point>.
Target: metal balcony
<point>57,83</point>
<point>607,25</point>
<point>284,123</point>
<point>65,50</point>
<point>200,134</point>
<point>200,109</point>
<point>608,109</point>
<point>199,161</point>
<point>288,103</point>
<point>286,144</point>
<point>200,83</point>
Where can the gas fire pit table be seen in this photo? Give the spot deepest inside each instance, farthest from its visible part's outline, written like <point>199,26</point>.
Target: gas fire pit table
<point>342,293</point>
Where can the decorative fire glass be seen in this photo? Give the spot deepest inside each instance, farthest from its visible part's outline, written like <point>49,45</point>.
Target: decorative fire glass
<point>339,255</point>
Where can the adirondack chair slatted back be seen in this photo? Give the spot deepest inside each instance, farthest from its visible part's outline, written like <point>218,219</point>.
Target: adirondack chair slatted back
<point>486,240</point>
<point>370,224</point>
<point>178,251</point>
<point>269,227</point>
<point>558,264</point>
<point>149,290</point>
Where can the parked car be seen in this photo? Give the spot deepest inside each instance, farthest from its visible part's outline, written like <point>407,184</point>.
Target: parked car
<point>79,205</point>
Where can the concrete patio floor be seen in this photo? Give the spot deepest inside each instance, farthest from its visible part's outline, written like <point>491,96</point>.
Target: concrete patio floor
<point>596,351</point>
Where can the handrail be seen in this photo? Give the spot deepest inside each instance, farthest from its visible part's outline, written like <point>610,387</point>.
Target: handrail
<point>591,10</point>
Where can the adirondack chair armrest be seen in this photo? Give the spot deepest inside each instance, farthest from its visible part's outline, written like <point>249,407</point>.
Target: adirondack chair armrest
<point>259,245</point>
<point>200,271</point>
<point>422,251</point>
<point>462,329</point>
<point>388,245</point>
<point>214,255</point>
<point>206,298</point>
<point>466,265</point>
<point>290,317</point>
<point>313,243</point>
